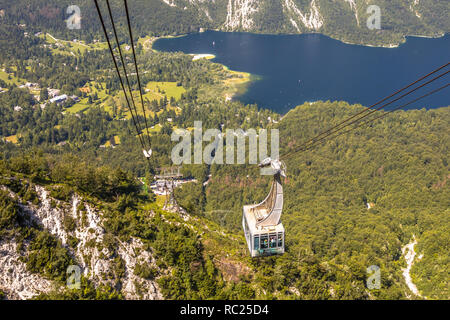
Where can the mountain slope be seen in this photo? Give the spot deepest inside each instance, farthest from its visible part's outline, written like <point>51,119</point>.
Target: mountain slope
<point>58,211</point>
<point>342,19</point>
<point>397,166</point>
<point>125,246</point>
<point>104,259</point>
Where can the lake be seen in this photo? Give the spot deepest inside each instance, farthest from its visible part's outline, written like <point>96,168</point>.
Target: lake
<point>293,69</point>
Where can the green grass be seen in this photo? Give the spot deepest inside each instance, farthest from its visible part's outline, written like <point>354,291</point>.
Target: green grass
<point>233,83</point>
<point>155,129</point>
<point>160,89</point>
<point>83,104</point>
<point>146,42</point>
<point>14,80</point>
<point>79,107</point>
<point>116,141</point>
<point>157,91</point>
<point>160,200</point>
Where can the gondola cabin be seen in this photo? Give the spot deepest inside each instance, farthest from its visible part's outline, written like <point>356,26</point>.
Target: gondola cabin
<point>263,229</point>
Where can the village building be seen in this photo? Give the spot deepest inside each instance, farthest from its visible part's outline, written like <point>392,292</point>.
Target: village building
<point>74,98</point>
<point>85,90</point>
<point>53,92</point>
<point>59,99</point>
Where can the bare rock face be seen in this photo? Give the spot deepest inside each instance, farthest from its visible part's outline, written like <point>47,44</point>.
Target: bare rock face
<point>135,287</point>
<point>312,20</point>
<point>15,280</point>
<point>404,17</point>
<point>96,252</point>
<point>240,14</point>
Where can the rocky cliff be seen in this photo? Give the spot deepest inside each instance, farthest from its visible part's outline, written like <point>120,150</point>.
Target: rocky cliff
<point>342,19</point>
<point>77,224</point>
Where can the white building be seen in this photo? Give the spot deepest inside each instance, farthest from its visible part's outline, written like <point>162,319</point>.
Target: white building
<point>59,99</point>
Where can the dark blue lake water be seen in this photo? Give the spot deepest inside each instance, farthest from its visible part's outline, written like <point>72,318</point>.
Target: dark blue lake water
<point>298,68</point>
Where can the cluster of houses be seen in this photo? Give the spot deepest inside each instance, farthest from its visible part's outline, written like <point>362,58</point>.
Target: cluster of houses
<point>53,94</point>
<point>31,86</point>
<point>160,187</point>
<point>113,142</point>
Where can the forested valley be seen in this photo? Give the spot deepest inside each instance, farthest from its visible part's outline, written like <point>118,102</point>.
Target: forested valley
<point>350,203</point>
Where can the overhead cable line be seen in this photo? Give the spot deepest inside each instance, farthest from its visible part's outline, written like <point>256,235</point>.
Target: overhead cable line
<point>307,147</point>
<point>118,72</point>
<point>379,117</point>
<point>124,67</point>
<point>375,110</point>
<point>317,138</point>
<point>330,131</point>
<point>137,70</point>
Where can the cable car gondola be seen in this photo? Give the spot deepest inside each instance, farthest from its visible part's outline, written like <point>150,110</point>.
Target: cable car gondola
<point>263,229</point>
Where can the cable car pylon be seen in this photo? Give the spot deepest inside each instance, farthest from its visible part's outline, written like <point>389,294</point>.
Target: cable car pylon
<point>168,175</point>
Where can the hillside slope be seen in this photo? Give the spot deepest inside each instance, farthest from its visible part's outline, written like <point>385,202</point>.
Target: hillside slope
<point>397,166</point>
<point>125,246</point>
<point>58,211</point>
<point>342,19</point>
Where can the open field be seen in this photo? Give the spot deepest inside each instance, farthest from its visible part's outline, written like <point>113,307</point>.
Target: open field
<point>160,200</point>
<point>237,77</point>
<point>67,47</point>
<point>14,80</point>
<point>233,83</point>
<point>79,107</point>
<point>158,90</point>
<point>83,104</point>
<point>73,47</point>
<point>147,42</point>
<point>116,142</point>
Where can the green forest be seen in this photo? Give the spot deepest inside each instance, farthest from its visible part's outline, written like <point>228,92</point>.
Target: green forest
<point>398,166</point>
<point>331,235</point>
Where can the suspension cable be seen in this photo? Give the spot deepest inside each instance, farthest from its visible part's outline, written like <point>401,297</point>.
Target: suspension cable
<point>311,141</point>
<point>371,120</point>
<point>137,70</point>
<point>124,68</point>
<point>117,70</point>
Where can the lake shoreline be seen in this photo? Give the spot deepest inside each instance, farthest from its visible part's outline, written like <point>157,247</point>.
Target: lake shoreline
<point>300,68</point>
<point>393,45</point>
<point>387,46</point>
<point>238,85</point>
